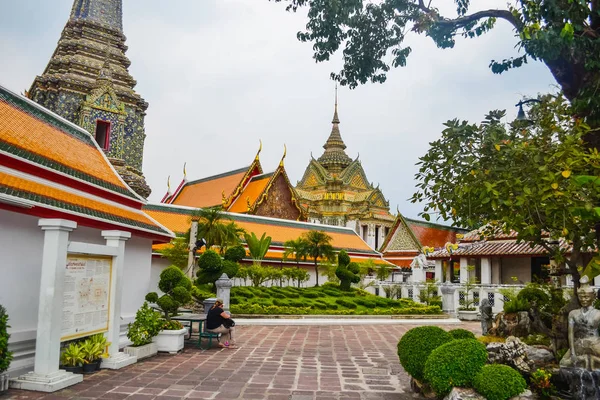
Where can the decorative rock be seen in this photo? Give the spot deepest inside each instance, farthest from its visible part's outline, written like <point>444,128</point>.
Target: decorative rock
<point>526,395</point>
<point>512,353</point>
<point>539,355</point>
<point>513,324</point>
<point>463,394</point>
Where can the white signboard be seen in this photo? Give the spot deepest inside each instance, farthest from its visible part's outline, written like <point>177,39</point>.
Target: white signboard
<point>86,296</point>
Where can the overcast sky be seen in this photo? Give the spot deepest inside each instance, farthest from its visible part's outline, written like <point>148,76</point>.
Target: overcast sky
<point>221,74</point>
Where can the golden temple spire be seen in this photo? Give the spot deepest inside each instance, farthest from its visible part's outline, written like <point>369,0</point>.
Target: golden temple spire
<point>336,119</point>
<point>335,158</point>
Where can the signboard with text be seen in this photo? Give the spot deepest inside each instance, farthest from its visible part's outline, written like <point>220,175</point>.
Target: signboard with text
<point>86,296</point>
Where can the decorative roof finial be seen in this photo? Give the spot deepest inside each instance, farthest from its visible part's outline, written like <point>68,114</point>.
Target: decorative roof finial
<point>284,154</point>
<point>336,119</point>
<point>169,185</point>
<point>259,150</point>
<point>184,172</point>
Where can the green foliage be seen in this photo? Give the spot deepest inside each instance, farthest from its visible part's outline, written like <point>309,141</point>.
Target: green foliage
<point>460,333</point>
<point>297,275</point>
<point>539,339</point>
<point>393,291</point>
<point>516,305</point>
<point>72,356</point>
<point>171,325</point>
<point>383,272</point>
<point>541,383</point>
<point>535,296</point>
<point>258,274</point>
<point>5,355</point>
<point>257,247</point>
<point>499,382</point>
<point>217,228</point>
<point>416,345</point>
<point>177,252</point>
<point>346,271</point>
<point>469,286</point>
<point>318,246</point>
<point>371,36</point>
<point>176,288</point>
<point>454,364</point>
<point>235,253</point>
<point>430,295</point>
<point>212,267</point>
<point>90,351</point>
<point>147,325</point>
<point>345,303</point>
<point>517,178</point>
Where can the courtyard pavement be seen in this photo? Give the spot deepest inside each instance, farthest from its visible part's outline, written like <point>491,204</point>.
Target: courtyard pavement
<point>272,362</point>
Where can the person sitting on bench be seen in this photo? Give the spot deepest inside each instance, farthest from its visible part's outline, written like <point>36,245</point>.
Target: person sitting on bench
<point>214,324</point>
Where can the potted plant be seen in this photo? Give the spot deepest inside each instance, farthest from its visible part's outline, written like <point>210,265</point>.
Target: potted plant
<point>467,312</point>
<point>146,326</point>
<point>72,358</point>
<point>91,351</point>
<point>176,288</point>
<point>5,355</point>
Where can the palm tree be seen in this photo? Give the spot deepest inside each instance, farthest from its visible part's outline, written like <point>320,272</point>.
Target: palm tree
<point>318,246</point>
<point>217,228</point>
<point>298,248</point>
<point>257,247</point>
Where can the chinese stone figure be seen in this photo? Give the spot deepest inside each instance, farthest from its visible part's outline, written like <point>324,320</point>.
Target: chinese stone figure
<point>584,339</point>
<point>486,316</point>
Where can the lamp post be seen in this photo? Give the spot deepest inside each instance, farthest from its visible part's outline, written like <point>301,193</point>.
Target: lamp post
<point>521,113</point>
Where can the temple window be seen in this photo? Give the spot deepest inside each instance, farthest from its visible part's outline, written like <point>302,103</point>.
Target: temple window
<point>377,229</point>
<point>103,134</point>
<point>365,232</point>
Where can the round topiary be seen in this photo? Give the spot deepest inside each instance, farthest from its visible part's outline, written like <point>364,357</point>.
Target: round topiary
<point>499,382</point>
<point>534,295</point>
<point>454,364</point>
<point>235,253</point>
<point>416,345</point>
<point>461,334</point>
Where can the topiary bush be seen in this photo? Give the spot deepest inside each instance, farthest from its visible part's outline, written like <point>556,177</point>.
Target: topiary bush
<point>499,382</point>
<point>345,303</point>
<point>461,334</point>
<point>347,272</point>
<point>534,295</point>
<point>415,346</point>
<point>454,364</point>
<point>176,288</point>
<point>235,253</point>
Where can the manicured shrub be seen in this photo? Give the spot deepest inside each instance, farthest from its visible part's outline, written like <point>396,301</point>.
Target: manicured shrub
<point>279,296</point>
<point>176,288</point>
<point>331,306</point>
<point>461,334</point>
<point>498,382</point>
<point>234,300</point>
<point>291,295</point>
<point>296,303</point>
<point>415,346</point>
<point>332,293</point>
<point>454,364</point>
<point>345,303</point>
<point>235,253</point>
<point>365,302</point>
<point>320,306</point>
<point>310,295</point>
<point>534,295</point>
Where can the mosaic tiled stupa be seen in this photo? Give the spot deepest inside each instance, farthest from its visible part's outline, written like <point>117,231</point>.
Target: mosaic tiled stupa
<point>87,82</point>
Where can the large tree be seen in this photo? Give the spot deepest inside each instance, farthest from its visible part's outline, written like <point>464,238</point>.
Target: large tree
<point>563,34</point>
<point>217,228</point>
<point>537,179</point>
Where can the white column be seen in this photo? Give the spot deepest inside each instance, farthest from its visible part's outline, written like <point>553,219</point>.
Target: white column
<point>486,271</point>
<point>496,269</point>
<point>191,255</point>
<point>464,272</point>
<point>438,271</point>
<point>116,359</point>
<point>46,377</point>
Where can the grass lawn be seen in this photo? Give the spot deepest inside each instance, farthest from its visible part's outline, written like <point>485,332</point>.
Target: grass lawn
<point>326,299</point>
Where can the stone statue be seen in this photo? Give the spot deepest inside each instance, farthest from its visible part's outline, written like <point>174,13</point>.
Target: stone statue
<point>584,339</point>
<point>419,261</point>
<point>485,309</point>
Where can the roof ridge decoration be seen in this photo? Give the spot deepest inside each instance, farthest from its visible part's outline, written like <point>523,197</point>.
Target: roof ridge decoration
<point>228,201</point>
<point>55,121</point>
<point>265,192</point>
<point>394,230</point>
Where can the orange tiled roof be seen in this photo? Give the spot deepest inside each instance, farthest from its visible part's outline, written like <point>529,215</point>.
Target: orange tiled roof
<point>207,192</point>
<point>178,220</point>
<point>30,132</point>
<point>50,195</point>
<point>250,194</point>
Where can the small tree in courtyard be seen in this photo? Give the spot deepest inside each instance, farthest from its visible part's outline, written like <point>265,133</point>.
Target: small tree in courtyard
<point>176,288</point>
<point>318,246</point>
<point>347,272</point>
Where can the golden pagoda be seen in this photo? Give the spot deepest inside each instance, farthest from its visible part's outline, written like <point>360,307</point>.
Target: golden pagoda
<point>335,191</point>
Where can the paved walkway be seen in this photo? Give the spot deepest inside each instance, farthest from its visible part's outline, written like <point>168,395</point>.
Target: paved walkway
<point>272,362</point>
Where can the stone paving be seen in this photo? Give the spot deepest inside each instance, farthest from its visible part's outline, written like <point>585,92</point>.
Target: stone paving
<point>272,362</point>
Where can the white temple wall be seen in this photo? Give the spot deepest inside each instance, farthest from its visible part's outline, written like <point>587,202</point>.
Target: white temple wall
<point>21,243</point>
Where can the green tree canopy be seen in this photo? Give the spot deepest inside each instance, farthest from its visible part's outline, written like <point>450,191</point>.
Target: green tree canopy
<point>318,246</point>
<point>564,34</point>
<point>217,228</point>
<point>538,180</point>
<point>177,252</point>
<point>257,247</point>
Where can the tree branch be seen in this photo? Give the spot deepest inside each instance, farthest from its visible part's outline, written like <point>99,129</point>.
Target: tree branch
<point>467,19</point>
